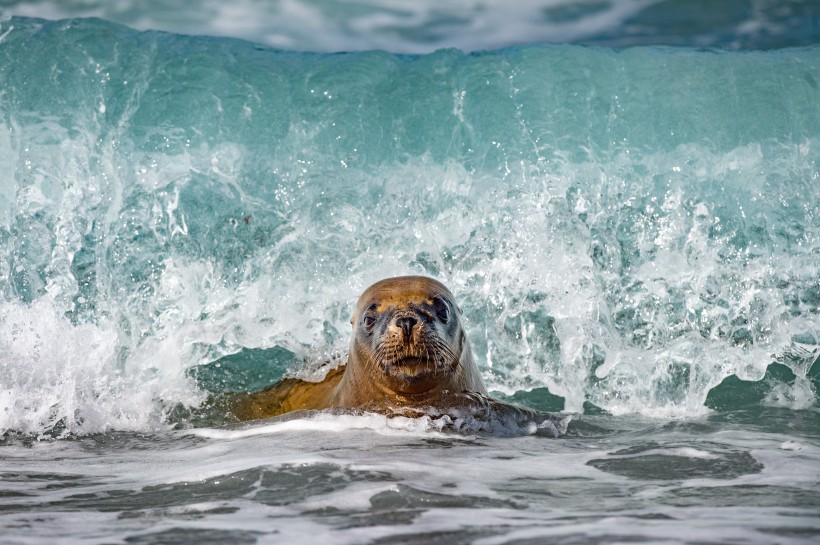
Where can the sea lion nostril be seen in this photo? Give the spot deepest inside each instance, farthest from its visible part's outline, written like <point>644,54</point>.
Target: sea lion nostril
<point>406,323</point>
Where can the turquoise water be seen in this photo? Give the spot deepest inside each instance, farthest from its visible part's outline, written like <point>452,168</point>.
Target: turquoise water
<point>633,236</point>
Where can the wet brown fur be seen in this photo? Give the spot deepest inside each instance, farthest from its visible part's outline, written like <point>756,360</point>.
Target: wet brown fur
<point>387,368</point>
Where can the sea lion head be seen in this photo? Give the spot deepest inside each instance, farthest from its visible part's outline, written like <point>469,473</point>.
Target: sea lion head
<point>408,339</point>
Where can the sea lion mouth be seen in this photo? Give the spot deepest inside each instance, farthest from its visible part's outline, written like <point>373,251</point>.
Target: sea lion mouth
<point>414,372</point>
<point>411,366</point>
<point>415,375</point>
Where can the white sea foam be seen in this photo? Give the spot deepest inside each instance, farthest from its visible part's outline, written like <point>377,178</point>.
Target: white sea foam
<point>195,316</point>
<point>55,373</point>
<point>686,452</point>
<point>799,395</point>
<point>382,425</point>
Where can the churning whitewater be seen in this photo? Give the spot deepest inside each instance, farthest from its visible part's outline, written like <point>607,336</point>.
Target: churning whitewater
<point>626,228</point>
<point>633,236</point>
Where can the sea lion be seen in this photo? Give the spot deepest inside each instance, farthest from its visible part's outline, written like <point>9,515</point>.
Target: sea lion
<point>408,355</point>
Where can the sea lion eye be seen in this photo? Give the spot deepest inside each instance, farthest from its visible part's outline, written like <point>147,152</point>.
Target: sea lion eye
<point>369,319</point>
<point>442,311</point>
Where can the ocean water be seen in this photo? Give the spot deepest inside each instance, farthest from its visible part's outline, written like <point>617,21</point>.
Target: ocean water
<point>423,26</point>
<point>632,233</point>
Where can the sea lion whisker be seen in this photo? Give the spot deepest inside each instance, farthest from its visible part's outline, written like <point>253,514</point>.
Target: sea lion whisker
<point>427,359</point>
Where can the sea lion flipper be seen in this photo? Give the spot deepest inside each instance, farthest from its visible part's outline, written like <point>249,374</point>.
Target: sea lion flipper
<point>501,415</point>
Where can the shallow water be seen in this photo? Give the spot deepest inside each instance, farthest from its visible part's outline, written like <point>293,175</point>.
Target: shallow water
<point>633,236</point>
<point>740,478</point>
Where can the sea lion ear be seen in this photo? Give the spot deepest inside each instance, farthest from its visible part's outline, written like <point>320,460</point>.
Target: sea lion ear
<point>458,308</point>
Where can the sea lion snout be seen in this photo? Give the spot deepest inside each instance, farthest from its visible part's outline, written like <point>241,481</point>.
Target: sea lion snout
<point>408,336</point>
<point>405,324</point>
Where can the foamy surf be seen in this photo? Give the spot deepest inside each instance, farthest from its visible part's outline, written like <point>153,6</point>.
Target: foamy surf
<point>632,235</point>
<point>321,421</point>
<point>629,263</point>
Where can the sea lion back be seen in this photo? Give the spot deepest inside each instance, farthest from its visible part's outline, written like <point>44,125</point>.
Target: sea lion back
<point>291,394</point>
